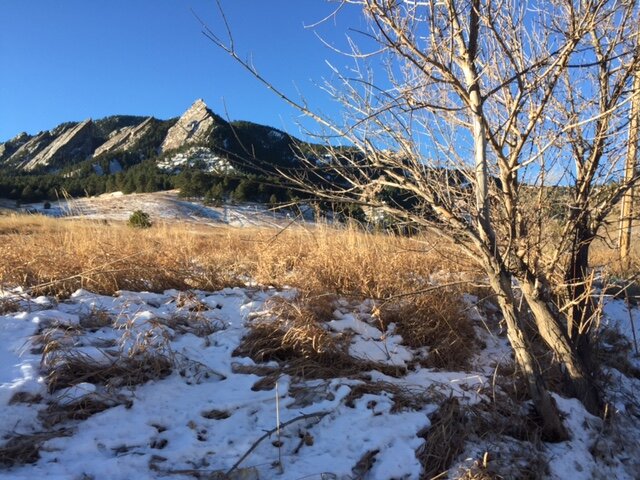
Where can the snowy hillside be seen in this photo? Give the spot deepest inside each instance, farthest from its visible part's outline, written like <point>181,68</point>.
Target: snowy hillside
<point>165,206</point>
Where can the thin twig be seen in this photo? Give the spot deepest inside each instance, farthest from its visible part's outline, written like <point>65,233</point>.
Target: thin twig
<point>270,432</point>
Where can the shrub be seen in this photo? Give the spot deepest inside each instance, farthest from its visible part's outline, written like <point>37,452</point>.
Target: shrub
<point>139,219</point>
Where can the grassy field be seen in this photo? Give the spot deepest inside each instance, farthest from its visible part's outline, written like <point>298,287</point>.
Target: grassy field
<point>56,257</point>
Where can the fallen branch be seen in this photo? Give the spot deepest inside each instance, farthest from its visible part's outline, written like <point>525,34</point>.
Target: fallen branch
<point>267,434</point>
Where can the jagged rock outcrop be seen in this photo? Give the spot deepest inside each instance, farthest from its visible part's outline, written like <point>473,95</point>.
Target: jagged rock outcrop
<point>76,141</point>
<point>125,138</point>
<point>10,147</point>
<point>31,147</point>
<point>193,127</point>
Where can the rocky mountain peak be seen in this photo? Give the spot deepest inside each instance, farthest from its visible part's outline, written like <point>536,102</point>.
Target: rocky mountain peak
<point>194,126</point>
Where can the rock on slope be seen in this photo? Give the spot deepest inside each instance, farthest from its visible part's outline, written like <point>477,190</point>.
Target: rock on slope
<point>76,141</point>
<point>70,143</point>
<point>193,127</point>
<point>125,138</point>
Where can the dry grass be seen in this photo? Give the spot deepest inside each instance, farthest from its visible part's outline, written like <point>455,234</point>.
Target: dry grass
<point>444,440</point>
<point>21,449</point>
<point>605,256</point>
<point>56,257</point>
<point>435,320</point>
<point>295,337</point>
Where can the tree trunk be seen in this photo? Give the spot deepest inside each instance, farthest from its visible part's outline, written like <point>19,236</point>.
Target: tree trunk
<point>555,336</point>
<point>552,427</point>
<point>626,210</point>
<point>499,278</point>
<point>580,315</point>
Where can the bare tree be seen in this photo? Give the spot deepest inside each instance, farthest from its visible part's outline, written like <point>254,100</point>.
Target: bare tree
<point>486,111</point>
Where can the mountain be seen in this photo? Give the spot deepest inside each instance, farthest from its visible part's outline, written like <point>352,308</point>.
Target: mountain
<point>245,145</point>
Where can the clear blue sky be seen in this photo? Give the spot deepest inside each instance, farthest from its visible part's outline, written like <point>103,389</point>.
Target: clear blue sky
<point>68,60</point>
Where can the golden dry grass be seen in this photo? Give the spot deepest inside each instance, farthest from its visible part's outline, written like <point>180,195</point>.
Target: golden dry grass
<point>54,256</point>
<point>436,320</point>
<point>294,336</point>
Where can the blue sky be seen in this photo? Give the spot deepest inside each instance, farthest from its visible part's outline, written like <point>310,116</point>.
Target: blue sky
<point>68,60</point>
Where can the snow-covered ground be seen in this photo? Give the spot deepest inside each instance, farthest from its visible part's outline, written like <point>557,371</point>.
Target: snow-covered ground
<point>165,206</point>
<point>198,411</point>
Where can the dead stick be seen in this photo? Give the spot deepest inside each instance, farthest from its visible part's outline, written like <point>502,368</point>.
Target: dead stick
<point>633,327</point>
<point>270,432</point>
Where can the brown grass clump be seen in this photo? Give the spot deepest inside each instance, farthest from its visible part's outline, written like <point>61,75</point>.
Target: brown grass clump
<point>295,338</point>
<point>21,449</point>
<point>80,410</point>
<point>96,319</point>
<point>513,438</point>
<point>476,472</point>
<point>615,350</point>
<point>435,320</point>
<point>67,368</point>
<point>191,323</point>
<point>444,440</point>
<point>9,305</point>
<point>404,398</point>
<point>294,332</point>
